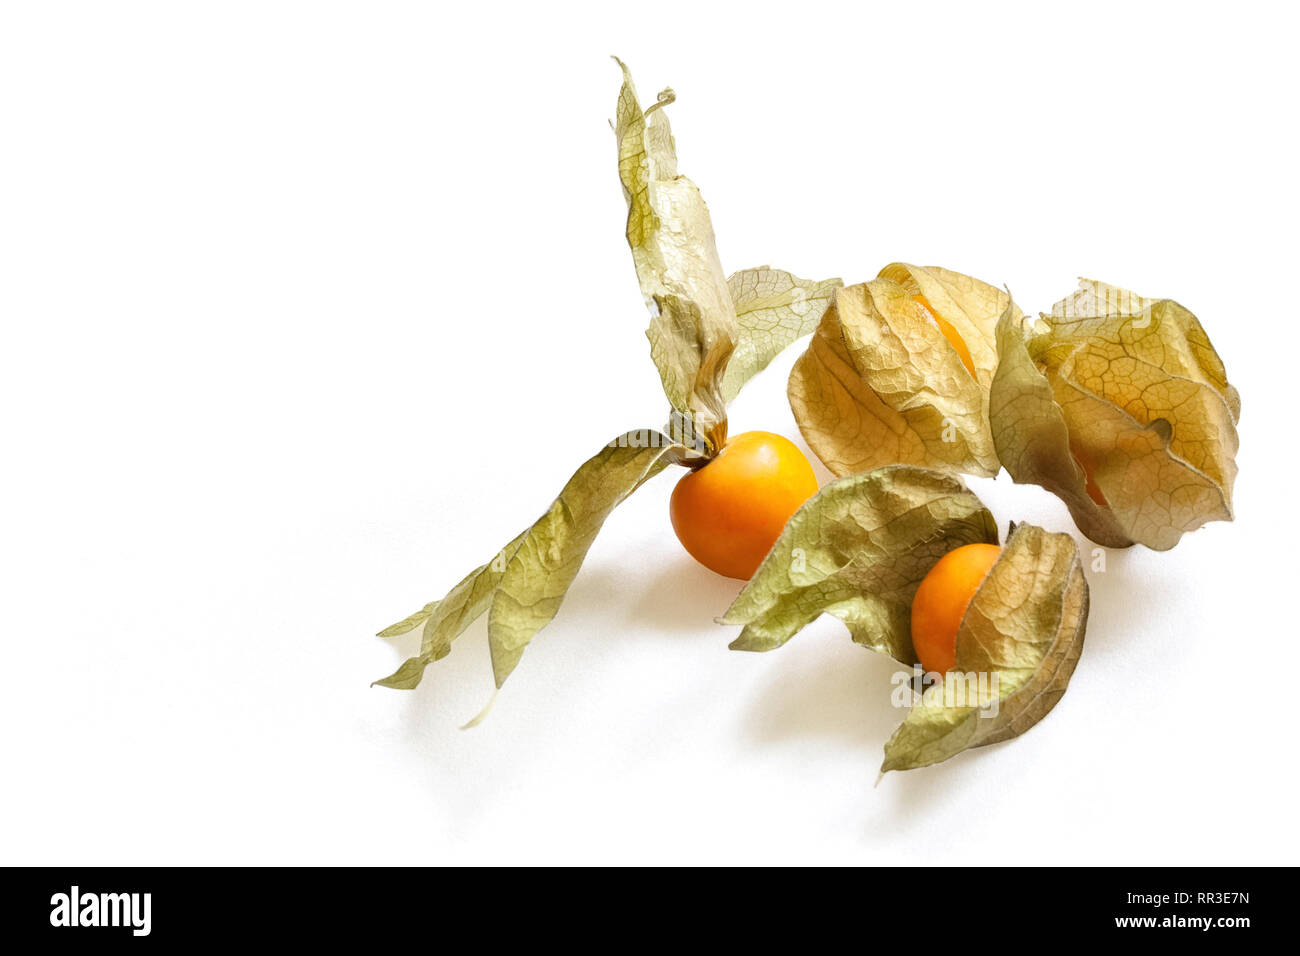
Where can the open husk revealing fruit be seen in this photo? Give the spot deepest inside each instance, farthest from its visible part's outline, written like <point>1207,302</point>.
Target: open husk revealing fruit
<point>899,372</point>
<point>709,334</point>
<point>1120,406</point>
<point>860,549</point>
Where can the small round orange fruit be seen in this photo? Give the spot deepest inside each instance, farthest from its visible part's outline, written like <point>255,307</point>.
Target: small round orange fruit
<point>941,600</point>
<point>729,512</point>
<point>949,332</point>
<point>1085,463</point>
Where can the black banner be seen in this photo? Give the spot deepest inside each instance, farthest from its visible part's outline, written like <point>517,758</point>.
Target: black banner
<point>136,906</point>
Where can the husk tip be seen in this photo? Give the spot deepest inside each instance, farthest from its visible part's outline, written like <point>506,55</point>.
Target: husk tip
<point>482,714</point>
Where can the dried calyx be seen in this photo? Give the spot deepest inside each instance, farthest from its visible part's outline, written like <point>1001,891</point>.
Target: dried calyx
<point>709,334</point>
<point>1120,406</point>
<point>860,549</point>
<point>1116,403</point>
<point>899,371</point>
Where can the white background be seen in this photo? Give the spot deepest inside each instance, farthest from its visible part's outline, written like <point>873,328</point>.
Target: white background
<point>308,308</point>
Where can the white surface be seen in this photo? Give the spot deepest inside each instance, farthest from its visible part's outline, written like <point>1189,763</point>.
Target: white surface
<point>309,307</point>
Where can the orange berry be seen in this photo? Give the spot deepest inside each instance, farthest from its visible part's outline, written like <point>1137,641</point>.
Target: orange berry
<point>1085,463</point>
<point>941,601</point>
<point>951,334</point>
<point>729,513</point>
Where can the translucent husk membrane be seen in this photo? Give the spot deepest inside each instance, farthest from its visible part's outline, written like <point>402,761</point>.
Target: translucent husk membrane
<point>860,548</point>
<point>898,372</point>
<point>709,333</point>
<point>1120,406</point>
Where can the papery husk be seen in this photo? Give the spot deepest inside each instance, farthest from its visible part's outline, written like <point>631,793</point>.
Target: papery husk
<point>692,318</point>
<point>1026,625</point>
<point>1129,391</point>
<point>523,587</point>
<point>858,550</point>
<point>880,383</point>
<point>709,333</point>
<point>773,309</point>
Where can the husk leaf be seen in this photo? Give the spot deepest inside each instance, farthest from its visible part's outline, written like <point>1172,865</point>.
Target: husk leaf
<point>693,327</point>
<point>709,334</point>
<point>1025,626</point>
<point>408,624</point>
<point>858,550</point>
<point>448,618</point>
<point>1132,389</point>
<point>881,384</point>
<point>773,309</point>
<point>538,576</point>
<point>523,587</point>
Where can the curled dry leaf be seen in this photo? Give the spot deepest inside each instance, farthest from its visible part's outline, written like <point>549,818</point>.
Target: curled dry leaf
<point>1017,647</point>
<point>1120,406</point>
<point>708,336</point>
<point>692,319</point>
<point>773,309</point>
<point>446,620</point>
<point>523,586</point>
<point>858,550</point>
<point>705,343</point>
<point>899,372</point>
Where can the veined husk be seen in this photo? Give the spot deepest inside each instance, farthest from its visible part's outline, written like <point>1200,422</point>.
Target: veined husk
<point>1130,392</point>
<point>523,586</point>
<point>1025,626</point>
<point>709,333</point>
<point>880,383</point>
<point>859,549</point>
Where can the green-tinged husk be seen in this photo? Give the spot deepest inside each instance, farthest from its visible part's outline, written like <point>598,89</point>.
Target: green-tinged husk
<point>1025,626</point>
<point>693,320</point>
<point>773,309</point>
<point>709,333</point>
<point>1120,406</point>
<point>446,620</point>
<point>859,549</point>
<point>524,586</point>
<point>881,384</point>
